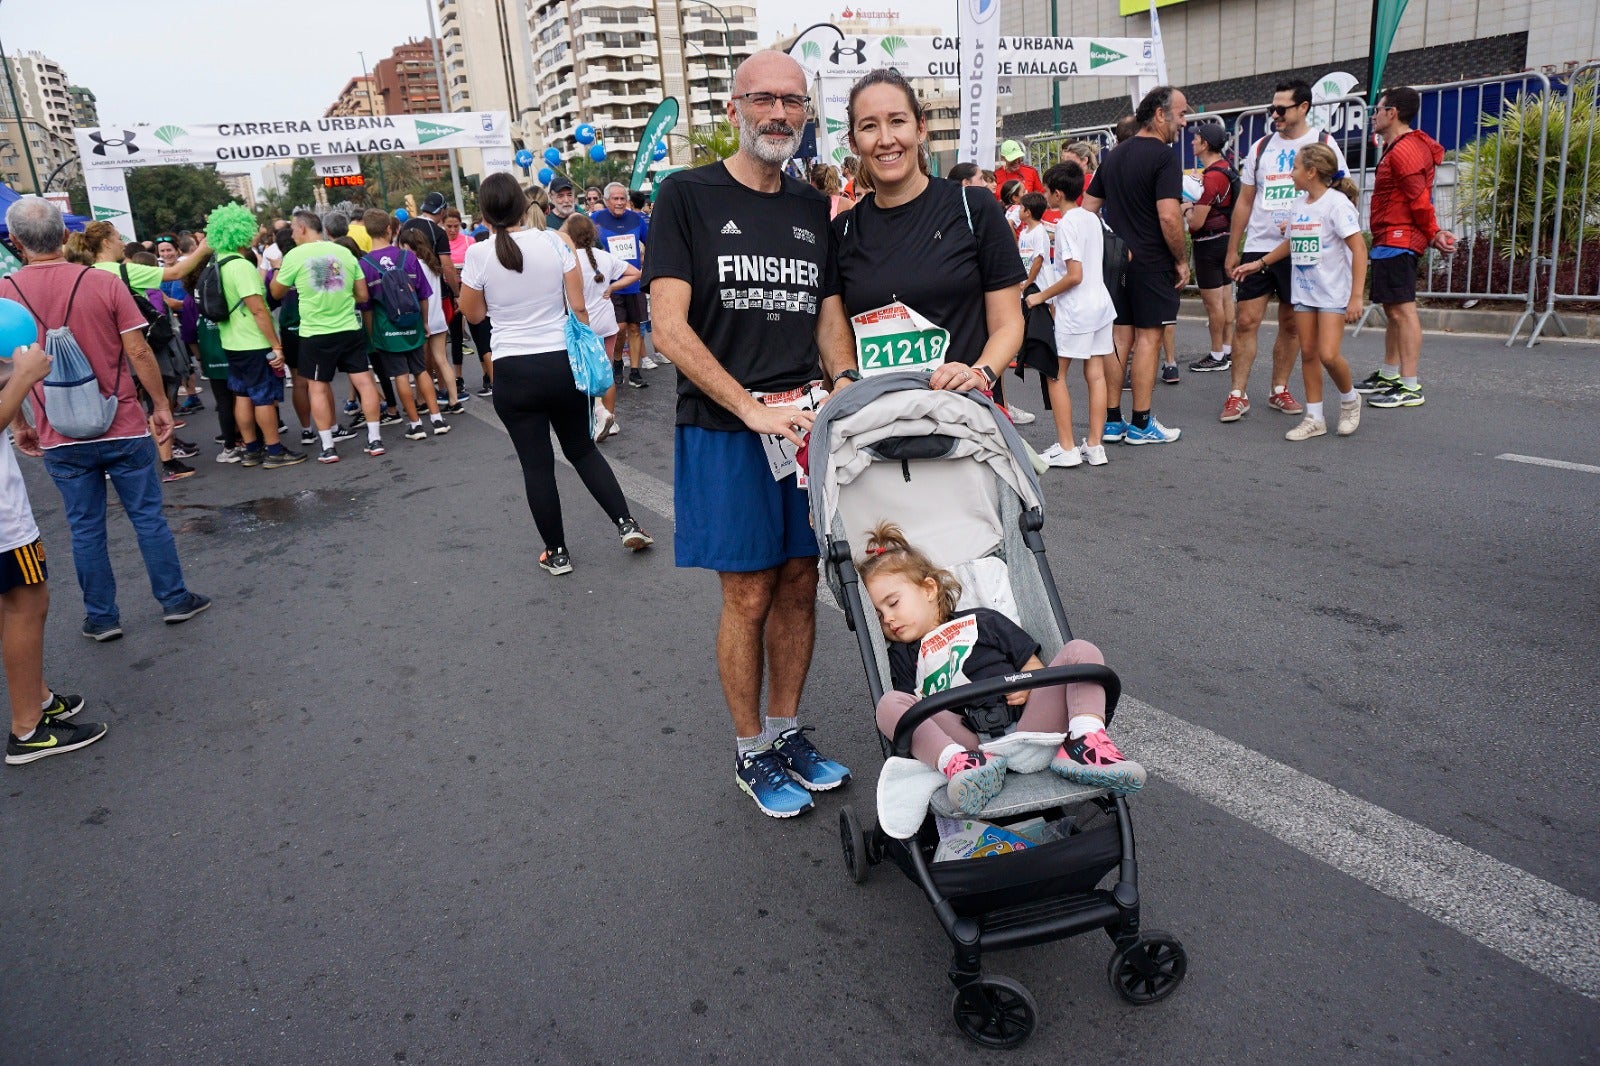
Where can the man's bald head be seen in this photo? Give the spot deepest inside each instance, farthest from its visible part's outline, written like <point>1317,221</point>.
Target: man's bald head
<point>769,70</point>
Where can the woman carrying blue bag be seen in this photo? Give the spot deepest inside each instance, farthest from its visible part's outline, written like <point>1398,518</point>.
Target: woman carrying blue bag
<point>523,281</point>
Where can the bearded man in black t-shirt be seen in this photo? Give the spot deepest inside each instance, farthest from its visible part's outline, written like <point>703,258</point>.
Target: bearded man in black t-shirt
<point>744,295</point>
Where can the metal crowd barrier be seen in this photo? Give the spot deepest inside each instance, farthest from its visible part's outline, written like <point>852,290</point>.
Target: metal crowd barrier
<point>1569,249</point>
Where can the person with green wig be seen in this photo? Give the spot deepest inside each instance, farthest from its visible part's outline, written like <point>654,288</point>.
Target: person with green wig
<point>255,355</point>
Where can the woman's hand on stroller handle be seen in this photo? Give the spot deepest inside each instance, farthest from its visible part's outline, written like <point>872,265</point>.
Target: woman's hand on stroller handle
<point>957,377</point>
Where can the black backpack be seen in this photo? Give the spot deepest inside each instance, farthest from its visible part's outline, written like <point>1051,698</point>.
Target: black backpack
<point>208,294</point>
<point>395,294</point>
<point>158,324</point>
<point>1114,264</point>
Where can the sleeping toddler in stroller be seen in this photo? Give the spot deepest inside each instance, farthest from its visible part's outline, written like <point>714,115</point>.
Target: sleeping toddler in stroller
<point>934,647</point>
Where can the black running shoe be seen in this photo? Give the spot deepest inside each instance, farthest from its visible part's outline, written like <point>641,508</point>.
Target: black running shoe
<point>636,380</point>
<point>633,538</point>
<point>192,605</point>
<point>308,436</point>
<point>556,561</point>
<point>373,447</point>
<point>487,391</point>
<point>328,456</point>
<point>456,408</point>
<point>253,457</point>
<point>415,432</point>
<point>1376,382</point>
<point>1211,362</point>
<point>343,432</point>
<point>390,418</point>
<point>52,738</point>
<point>284,458</point>
<point>440,427</point>
<point>63,706</point>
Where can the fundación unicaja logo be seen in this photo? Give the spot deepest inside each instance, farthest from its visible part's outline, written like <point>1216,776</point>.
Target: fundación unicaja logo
<point>170,134</point>
<point>892,45</point>
<point>811,50</point>
<point>427,131</point>
<point>1100,55</point>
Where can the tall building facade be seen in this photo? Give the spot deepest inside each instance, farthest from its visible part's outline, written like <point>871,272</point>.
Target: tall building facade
<point>85,110</point>
<point>487,60</point>
<point>407,83</point>
<point>608,63</point>
<point>45,123</point>
<point>241,185</point>
<point>358,97</point>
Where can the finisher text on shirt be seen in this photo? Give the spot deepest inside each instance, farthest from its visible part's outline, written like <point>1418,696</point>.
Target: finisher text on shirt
<point>768,269</point>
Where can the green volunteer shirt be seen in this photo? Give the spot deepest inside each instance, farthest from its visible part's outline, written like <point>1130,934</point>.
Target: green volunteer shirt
<point>324,275</point>
<point>143,278</point>
<point>240,332</point>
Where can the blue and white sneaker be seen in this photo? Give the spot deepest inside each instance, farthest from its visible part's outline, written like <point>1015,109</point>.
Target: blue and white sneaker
<point>1114,432</point>
<point>1154,433</point>
<point>761,775</point>
<point>806,764</point>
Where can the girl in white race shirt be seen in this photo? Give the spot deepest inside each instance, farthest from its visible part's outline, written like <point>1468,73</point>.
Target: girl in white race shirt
<point>603,274</point>
<point>1329,259</point>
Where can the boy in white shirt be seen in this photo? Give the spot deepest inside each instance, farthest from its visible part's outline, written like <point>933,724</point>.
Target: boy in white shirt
<point>39,726</point>
<point>1083,313</point>
<point>1033,242</point>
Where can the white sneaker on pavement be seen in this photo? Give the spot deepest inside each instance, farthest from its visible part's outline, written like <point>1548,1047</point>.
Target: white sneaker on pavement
<point>1019,416</point>
<point>1093,455</point>
<point>646,363</point>
<point>1057,456</point>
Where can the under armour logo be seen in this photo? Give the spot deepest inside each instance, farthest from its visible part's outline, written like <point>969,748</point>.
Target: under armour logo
<point>859,51</point>
<point>102,142</point>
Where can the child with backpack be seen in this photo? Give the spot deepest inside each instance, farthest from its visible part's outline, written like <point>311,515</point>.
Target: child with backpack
<point>1328,255</point>
<point>1209,217</point>
<point>396,318</point>
<point>1084,315</point>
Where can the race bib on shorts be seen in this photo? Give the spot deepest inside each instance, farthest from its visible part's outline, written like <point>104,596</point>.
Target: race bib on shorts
<point>1305,241</point>
<point>624,246</point>
<point>779,451</point>
<point>895,338</point>
<point>943,654</point>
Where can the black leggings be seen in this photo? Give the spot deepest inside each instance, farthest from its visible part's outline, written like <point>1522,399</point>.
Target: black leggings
<point>222,397</point>
<point>458,327</point>
<point>534,394</point>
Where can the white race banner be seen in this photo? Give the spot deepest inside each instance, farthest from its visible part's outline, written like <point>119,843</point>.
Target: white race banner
<point>108,200</point>
<point>980,41</point>
<point>110,148</point>
<point>1015,57</point>
<point>498,161</point>
<point>338,166</point>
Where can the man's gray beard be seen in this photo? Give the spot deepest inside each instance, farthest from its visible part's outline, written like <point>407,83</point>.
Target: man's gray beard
<point>761,149</point>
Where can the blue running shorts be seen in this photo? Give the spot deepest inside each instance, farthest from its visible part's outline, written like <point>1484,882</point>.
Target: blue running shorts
<point>731,516</point>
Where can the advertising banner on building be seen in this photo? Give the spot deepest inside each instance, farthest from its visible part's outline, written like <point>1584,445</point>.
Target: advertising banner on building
<point>264,140</point>
<point>979,23</point>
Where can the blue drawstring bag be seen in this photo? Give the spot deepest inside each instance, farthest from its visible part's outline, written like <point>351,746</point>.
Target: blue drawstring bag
<point>591,370</point>
<point>70,392</point>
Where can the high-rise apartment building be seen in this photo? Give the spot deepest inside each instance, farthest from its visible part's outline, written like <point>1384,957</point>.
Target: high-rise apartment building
<point>610,62</point>
<point>45,124</point>
<point>358,97</point>
<point>407,83</point>
<point>85,111</point>
<point>487,57</point>
<point>241,185</point>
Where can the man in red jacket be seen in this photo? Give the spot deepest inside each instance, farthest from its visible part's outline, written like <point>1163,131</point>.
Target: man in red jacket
<point>1403,227</point>
<point>1012,168</point>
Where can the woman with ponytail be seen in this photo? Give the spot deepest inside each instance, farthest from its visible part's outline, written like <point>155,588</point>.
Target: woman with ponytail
<point>603,274</point>
<point>525,280</point>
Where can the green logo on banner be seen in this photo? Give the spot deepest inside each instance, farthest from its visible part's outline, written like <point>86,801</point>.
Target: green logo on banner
<point>170,134</point>
<point>892,45</point>
<point>837,125</point>
<point>811,50</point>
<point>839,153</point>
<point>106,214</point>
<point>1100,55</point>
<point>427,131</point>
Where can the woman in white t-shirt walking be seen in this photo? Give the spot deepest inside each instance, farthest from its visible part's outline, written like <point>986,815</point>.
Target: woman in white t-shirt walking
<point>1084,314</point>
<point>1329,259</point>
<point>603,275</point>
<point>436,329</point>
<point>525,280</point>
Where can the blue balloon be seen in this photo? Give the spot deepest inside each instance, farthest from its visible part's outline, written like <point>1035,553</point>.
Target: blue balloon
<point>17,328</point>
<point>598,153</point>
<point>584,134</point>
<point>552,156</point>
<point>401,214</point>
<point>524,159</point>
<point>545,174</point>
<point>659,152</point>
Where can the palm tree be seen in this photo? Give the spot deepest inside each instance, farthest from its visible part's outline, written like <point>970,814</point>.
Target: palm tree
<point>719,140</point>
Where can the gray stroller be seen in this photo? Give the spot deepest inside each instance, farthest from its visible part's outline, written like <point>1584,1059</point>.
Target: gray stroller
<point>955,476</point>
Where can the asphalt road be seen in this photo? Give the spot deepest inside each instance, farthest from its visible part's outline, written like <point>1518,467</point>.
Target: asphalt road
<point>402,797</point>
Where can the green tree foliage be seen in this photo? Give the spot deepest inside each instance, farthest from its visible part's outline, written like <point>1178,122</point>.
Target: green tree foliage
<point>1498,174</point>
<point>719,140</point>
<point>173,198</point>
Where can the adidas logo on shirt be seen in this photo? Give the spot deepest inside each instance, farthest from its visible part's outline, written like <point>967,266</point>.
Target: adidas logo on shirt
<point>731,229</point>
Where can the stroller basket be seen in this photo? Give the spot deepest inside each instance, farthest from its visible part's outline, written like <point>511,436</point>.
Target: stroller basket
<point>1075,864</point>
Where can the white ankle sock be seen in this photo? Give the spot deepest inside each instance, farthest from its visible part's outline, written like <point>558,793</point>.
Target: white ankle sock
<point>1411,383</point>
<point>1314,410</point>
<point>950,752</point>
<point>1080,724</point>
<point>1349,397</point>
<point>1227,349</point>
<point>326,436</point>
<point>779,725</point>
<point>50,697</point>
<point>29,734</point>
<point>374,431</point>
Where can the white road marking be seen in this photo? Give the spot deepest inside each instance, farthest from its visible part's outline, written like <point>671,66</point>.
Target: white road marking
<point>1559,464</point>
<point>1527,919</point>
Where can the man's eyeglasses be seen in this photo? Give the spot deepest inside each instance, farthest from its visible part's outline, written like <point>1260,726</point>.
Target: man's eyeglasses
<point>764,101</point>
<point>1280,110</point>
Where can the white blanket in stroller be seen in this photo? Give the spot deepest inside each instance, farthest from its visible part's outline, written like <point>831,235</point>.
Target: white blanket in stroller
<point>906,785</point>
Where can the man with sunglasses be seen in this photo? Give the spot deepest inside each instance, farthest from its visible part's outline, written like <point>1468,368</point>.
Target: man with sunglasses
<point>1261,218</point>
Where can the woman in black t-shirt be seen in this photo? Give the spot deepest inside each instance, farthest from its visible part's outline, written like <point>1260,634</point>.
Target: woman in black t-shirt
<point>942,250</point>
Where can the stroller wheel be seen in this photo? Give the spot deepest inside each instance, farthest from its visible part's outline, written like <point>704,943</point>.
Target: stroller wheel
<point>1148,970</point>
<point>996,1012</point>
<point>854,843</point>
